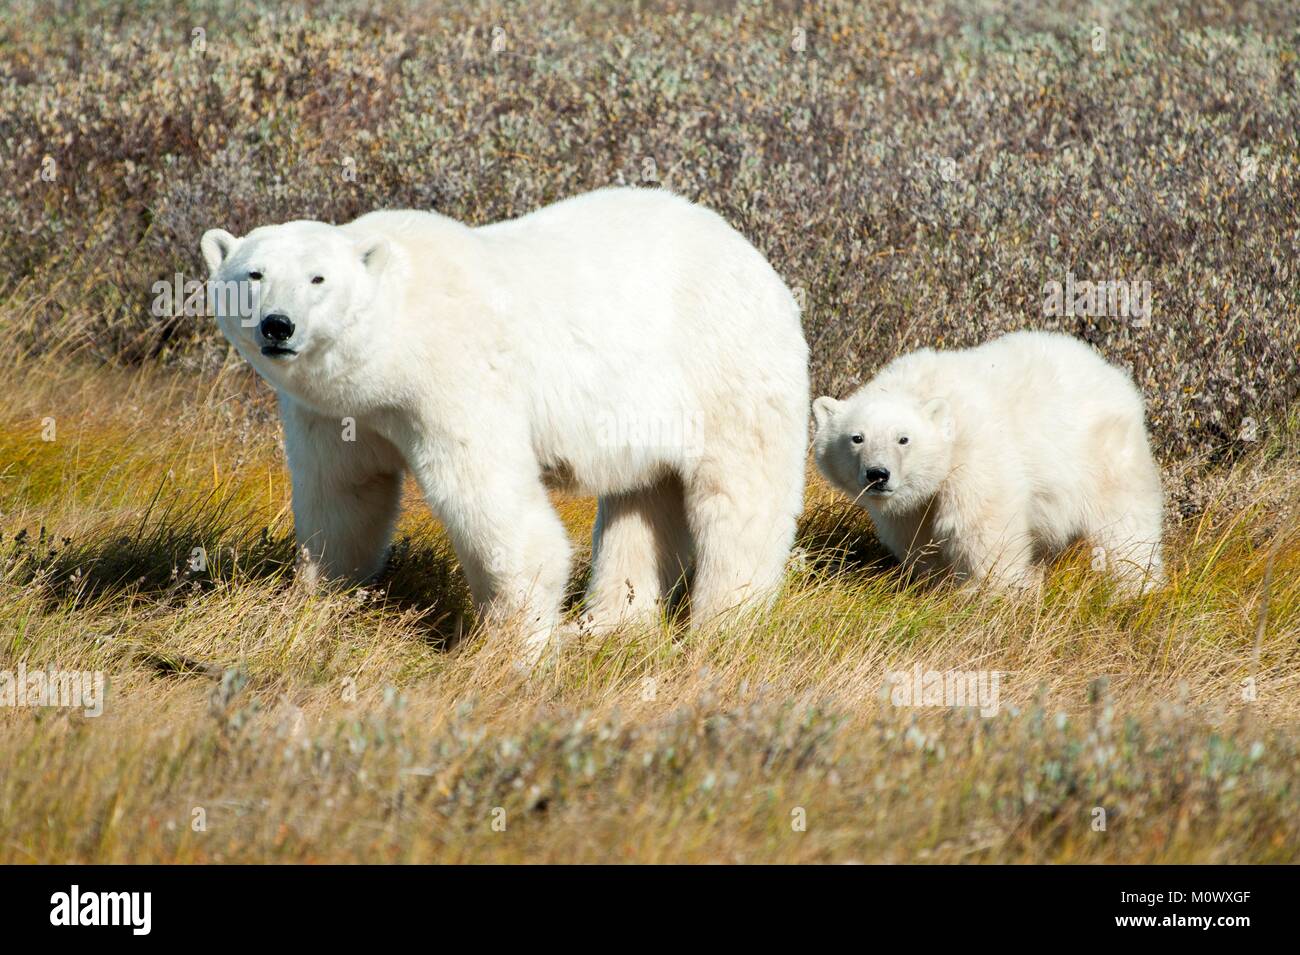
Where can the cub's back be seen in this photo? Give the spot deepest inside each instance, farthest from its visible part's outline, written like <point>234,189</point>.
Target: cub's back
<point>1064,409</point>
<point>1050,373</point>
<point>1043,394</point>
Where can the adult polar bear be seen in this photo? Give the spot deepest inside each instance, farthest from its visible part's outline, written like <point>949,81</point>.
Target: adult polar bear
<point>625,343</point>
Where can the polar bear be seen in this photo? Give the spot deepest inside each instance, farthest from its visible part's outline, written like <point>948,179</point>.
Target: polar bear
<point>978,461</point>
<point>624,343</point>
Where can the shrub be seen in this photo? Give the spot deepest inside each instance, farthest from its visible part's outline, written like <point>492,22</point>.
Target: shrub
<point>918,172</point>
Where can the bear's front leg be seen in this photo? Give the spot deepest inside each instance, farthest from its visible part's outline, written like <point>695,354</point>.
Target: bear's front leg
<point>510,542</point>
<point>347,485</point>
<point>910,538</point>
<point>925,563</point>
<point>991,546</point>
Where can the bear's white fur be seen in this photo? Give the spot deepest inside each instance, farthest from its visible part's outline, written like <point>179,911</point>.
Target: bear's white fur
<point>998,455</point>
<point>624,343</point>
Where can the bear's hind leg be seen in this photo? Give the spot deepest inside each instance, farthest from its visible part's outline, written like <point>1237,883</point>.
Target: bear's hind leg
<point>641,548</point>
<point>347,486</point>
<point>743,527</point>
<point>1127,535</point>
<point>1125,516</point>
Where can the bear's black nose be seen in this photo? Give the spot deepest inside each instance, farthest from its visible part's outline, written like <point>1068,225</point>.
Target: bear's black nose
<point>876,477</point>
<point>276,328</point>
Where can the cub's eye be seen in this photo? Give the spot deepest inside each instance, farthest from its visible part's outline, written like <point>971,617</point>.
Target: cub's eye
<point>856,439</point>
<point>317,279</point>
<point>255,276</point>
<point>903,440</point>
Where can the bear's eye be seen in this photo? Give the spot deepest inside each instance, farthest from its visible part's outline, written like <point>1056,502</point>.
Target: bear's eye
<point>856,439</point>
<point>903,440</point>
<point>255,276</point>
<point>317,279</point>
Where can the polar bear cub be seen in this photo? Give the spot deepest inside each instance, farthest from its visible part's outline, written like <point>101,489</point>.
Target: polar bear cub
<point>624,343</point>
<point>978,461</point>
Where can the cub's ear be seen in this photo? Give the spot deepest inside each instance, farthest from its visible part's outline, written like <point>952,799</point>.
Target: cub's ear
<point>825,408</point>
<point>216,246</point>
<point>375,253</point>
<point>939,412</point>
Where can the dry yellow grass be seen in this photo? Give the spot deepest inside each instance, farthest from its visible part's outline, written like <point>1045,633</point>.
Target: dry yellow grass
<point>246,721</point>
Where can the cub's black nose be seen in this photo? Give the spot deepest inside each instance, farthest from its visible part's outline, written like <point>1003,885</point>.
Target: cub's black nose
<point>276,328</point>
<point>876,477</point>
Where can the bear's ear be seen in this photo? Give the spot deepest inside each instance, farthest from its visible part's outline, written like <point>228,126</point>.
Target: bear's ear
<point>939,412</point>
<point>825,408</point>
<point>374,252</point>
<point>216,246</point>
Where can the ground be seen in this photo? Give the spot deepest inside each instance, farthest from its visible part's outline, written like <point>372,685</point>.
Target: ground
<point>247,722</point>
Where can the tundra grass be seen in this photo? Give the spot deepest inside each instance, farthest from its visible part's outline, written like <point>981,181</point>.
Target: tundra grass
<point>246,721</point>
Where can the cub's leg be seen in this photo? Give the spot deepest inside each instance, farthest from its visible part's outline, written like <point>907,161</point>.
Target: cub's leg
<point>1126,535</point>
<point>347,485</point>
<point>993,545</point>
<point>641,547</point>
<point>1125,518</point>
<point>910,537</point>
